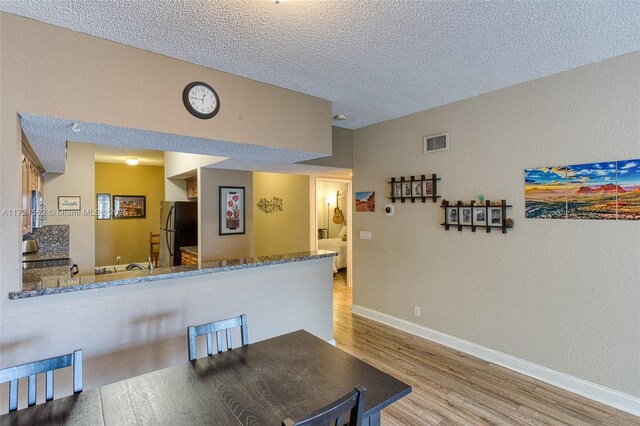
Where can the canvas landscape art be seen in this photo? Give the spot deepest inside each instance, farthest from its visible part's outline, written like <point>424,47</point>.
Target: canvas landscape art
<point>366,201</point>
<point>605,191</point>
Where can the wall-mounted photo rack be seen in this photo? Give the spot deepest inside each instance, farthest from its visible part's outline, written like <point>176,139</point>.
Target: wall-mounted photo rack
<point>486,215</point>
<point>422,189</point>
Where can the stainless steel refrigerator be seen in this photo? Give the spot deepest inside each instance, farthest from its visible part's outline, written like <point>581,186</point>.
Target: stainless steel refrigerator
<point>178,228</point>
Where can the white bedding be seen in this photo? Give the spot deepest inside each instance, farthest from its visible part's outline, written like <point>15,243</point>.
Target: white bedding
<point>340,247</point>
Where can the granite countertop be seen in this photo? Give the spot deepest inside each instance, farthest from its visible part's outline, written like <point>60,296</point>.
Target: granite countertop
<point>56,285</point>
<point>37,256</point>
<point>192,250</point>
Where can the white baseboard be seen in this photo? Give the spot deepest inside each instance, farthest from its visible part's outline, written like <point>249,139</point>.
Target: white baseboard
<point>332,342</point>
<point>587,389</point>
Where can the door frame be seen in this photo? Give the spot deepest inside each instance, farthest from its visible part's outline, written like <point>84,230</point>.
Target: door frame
<point>349,210</point>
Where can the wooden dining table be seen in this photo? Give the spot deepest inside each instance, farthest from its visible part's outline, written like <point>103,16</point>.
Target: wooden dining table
<point>258,384</point>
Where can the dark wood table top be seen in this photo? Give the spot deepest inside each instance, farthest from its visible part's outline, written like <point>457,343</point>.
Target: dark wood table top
<point>259,384</point>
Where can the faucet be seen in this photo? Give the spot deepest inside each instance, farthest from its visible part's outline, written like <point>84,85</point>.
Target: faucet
<point>132,266</point>
<point>150,264</point>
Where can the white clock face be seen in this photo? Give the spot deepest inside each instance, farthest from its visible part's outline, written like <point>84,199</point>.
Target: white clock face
<point>202,99</point>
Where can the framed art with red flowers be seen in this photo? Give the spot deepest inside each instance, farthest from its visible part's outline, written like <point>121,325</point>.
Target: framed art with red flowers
<point>232,214</point>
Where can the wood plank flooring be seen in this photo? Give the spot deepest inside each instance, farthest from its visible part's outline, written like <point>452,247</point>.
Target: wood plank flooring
<point>453,388</point>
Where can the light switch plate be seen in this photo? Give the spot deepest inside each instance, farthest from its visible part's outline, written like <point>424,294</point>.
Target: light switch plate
<point>365,235</point>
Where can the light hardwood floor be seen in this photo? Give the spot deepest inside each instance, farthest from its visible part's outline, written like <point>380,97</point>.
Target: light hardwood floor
<point>452,388</point>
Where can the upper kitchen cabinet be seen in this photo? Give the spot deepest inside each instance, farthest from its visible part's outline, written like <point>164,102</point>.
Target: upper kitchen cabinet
<point>32,171</point>
<point>192,187</point>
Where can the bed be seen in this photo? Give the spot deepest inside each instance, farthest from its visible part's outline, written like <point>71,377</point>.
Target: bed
<point>337,245</point>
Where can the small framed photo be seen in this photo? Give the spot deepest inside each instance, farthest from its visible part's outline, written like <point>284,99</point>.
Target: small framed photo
<point>397,190</point>
<point>68,202</point>
<point>452,215</point>
<point>406,189</point>
<point>232,216</point>
<point>480,216</point>
<point>416,188</point>
<point>129,206</point>
<point>495,215</point>
<point>465,215</point>
<point>427,188</point>
<point>104,206</point>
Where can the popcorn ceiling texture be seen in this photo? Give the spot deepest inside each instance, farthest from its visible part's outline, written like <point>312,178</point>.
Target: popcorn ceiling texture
<point>48,136</point>
<point>375,60</point>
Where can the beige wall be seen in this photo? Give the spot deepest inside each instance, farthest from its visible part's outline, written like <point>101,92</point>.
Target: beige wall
<point>55,72</point>
<point>212,245</point>
<point>564,294</point>
<point>341,152</point>
<point>52,71</point>
<point>128,238</point>
<point>285,231</point>
<point>78,180</point>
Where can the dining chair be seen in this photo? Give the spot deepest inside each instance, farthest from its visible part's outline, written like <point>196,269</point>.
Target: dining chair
<point>217,327</point>
<point>353,402</point>
<point>154,248</point>
<point>32,369</point>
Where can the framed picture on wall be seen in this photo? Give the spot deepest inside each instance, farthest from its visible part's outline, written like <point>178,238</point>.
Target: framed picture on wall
<point>427,188</point>
<point>465,215</point>
<point>129,206</point>
<point>416,188</point>
<point>495,215</point>
<point>232,210</point>
<point>480,216</point>
<point>452,215</point>
<point>104,206</point>
<point>69,203</point>
<point>406,188</point>
<point>397,190</point>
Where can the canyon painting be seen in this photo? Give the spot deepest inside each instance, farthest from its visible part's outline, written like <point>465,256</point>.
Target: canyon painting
<point>605,191</point>
<point>545,190</point>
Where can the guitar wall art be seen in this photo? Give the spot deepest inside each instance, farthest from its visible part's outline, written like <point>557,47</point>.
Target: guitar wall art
<point>338,217</point>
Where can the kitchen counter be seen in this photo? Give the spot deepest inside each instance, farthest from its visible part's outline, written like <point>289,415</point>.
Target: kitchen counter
<point>39,256</point>
<point>192,250</point>
<point>57,285</point>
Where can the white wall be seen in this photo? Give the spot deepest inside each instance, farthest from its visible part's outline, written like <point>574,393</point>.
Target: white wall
<point>564,294</point>
<point>79,179</point>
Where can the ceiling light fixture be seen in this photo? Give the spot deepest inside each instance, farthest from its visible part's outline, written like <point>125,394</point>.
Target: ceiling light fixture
<point>340,117</point>
<point>132,161</point>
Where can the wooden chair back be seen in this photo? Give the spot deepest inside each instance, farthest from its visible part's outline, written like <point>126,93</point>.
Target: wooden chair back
<point>32,369</point>
<point>154,247</point>
<point>217,328</point>
<point>353,402</point>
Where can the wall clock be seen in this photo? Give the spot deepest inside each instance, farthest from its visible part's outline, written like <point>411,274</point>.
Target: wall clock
<point>201,100</point>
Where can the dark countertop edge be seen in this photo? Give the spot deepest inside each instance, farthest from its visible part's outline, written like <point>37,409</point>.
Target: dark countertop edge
<point>208,268</point>
<point>39,257</point>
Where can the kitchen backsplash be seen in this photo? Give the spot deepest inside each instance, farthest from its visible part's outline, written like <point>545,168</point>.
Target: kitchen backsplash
<point>51,239</point>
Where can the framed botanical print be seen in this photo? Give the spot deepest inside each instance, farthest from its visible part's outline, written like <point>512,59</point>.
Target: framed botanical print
<point>232,210</point>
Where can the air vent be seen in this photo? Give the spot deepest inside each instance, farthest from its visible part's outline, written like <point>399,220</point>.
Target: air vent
<point>435,143</point>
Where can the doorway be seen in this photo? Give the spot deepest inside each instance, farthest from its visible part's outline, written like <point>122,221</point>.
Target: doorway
<point>332,230</point>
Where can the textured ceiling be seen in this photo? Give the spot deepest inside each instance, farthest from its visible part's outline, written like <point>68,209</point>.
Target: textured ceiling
<point>374,60</point>
<point>48,136</point>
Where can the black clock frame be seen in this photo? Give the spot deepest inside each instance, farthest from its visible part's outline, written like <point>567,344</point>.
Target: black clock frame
<point>193,111</point>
